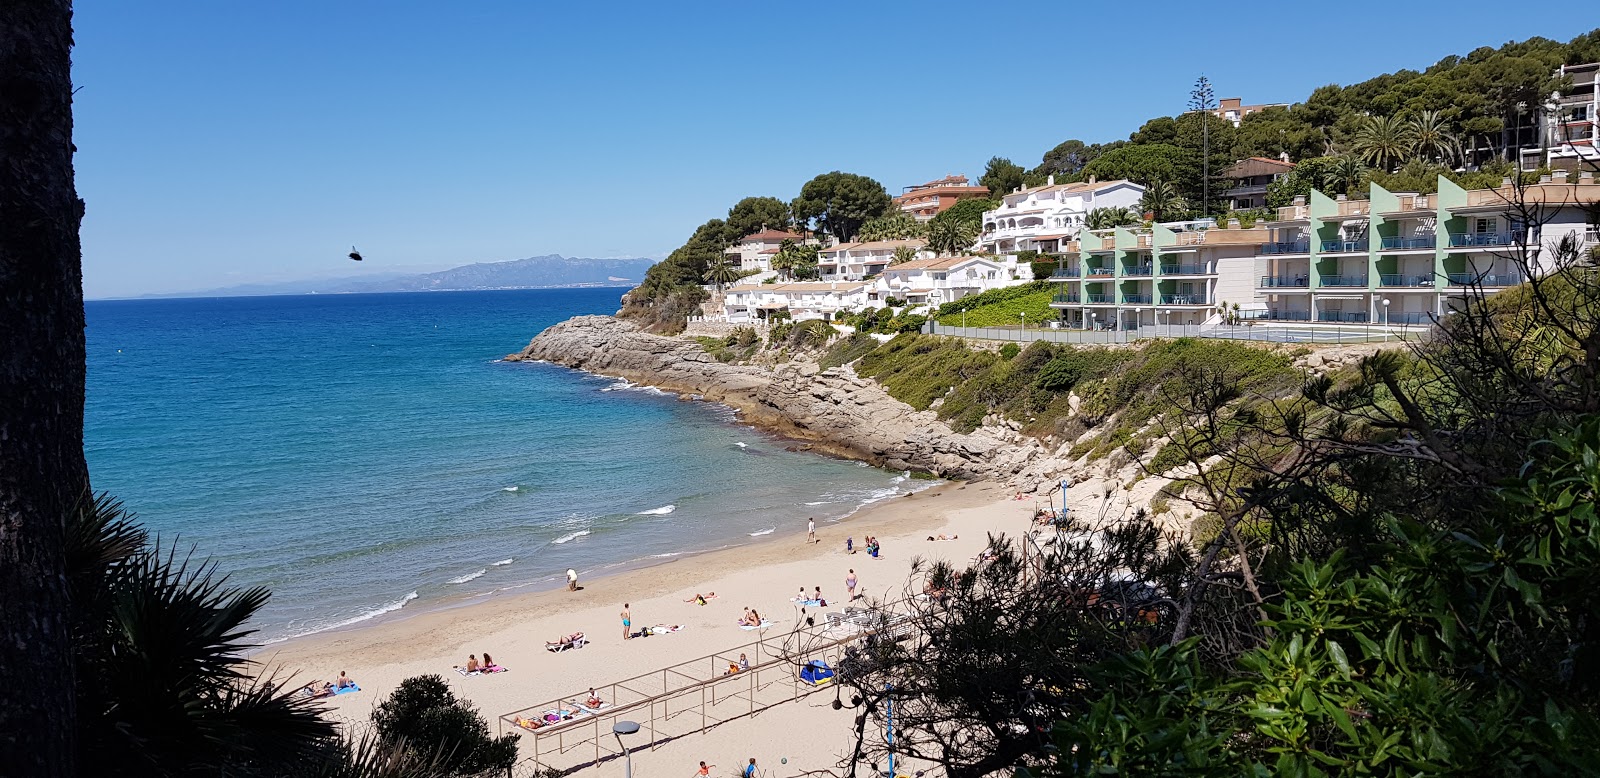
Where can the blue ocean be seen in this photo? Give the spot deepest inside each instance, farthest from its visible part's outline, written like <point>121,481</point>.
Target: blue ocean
<point>362,455</point>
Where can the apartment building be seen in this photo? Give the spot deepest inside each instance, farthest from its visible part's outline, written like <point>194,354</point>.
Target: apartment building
<point>1248,180</point>
<point>1572,121</point>
<point>755,251</point>
<point>1175,273</point>
<point>925,201</point>
<point>1039,219</point>
<point>859,261</point>
<point>1401,258</point>
<point>939,280</point>
<point>804,300</point>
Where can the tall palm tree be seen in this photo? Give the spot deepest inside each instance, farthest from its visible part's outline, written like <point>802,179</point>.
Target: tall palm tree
<point>163,685</point>
<point>1107,218</point>
<point>949,236</point>
<point>1431,137</point>
<point>898,225</point>
<point>902,255</point>
<point>1383,142</point>
<point>1345,175</point>
<point>1163,200</point>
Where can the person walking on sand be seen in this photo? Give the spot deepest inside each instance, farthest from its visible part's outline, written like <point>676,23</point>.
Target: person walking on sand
<point>850,584</point>
<point>572,580</point>
<point>811,530</point>
<point>627,623</point>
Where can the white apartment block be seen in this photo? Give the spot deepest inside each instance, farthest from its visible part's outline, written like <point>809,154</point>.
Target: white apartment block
<point>939,280</point>
<point>1570,123</point>
<point>860,261</point>
<point>1039,219</point>
<point>803,300</point>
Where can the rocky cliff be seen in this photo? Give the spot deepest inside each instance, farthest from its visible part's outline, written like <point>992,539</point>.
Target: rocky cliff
<point>833,410</point>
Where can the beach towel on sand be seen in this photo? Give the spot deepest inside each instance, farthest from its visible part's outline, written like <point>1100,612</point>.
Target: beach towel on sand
<point>482,671</point>
<point>347,689</point>
<point>763,625</point>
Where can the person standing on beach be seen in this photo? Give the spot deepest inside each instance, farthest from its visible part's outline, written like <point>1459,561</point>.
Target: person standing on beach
<point>704,770</point>
<point>850,584</point>
<point>572,580</point>
<point>750,771</point>
<point>811,530</point>
<point>627,623</point>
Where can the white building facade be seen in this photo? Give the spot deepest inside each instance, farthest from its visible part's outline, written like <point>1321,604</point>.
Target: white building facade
<point>860,261</point>
<point>1040,219</point>
<point>940,280</point>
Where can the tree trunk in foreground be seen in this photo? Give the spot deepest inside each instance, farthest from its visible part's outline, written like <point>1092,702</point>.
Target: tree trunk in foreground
<point>42,470</point>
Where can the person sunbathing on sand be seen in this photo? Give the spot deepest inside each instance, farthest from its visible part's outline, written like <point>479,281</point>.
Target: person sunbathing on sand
<point>472,663</point>
<point>594,700</point>
<point>488,663</point>
<point>700,599</point>
<point>751,619</point>
<point>942,536</point>
<point>319,689</point>
<point>344,681</point>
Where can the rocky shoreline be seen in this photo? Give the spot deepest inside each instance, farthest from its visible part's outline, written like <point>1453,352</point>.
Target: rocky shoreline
<point>833,410</point>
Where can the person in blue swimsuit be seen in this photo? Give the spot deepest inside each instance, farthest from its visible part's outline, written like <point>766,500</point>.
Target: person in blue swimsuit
<point>627,623</point>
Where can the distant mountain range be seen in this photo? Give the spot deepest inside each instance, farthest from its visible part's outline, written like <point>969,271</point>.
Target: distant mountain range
<point>546,272</point>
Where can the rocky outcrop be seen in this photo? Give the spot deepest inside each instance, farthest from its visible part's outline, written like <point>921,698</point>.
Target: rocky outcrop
<point>833,410</point>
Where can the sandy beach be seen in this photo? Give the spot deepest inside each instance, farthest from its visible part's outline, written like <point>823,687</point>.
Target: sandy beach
<point>764,576</point>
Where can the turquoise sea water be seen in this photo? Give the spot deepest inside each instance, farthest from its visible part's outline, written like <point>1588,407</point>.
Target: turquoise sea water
<point>360,454</point>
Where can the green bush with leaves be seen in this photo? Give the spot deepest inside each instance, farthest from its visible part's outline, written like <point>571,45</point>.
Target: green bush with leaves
<point>424,715</point>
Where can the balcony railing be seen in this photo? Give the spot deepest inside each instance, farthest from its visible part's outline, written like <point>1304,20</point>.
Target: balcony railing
<point>1183,270</point>
<point>1402,243</point>
<point>1476,239</point>
<point>1268,282</point>
<point>1349,316</point>
<point>1400,279</point>
<point>1099,272</point>
<point>1097,298</point>
<point>1286,247</point>
<point>1065,273</point>
<point>1136,299</point>
<point>1065,298</point>
<point>1344,246</point>
<point>1484,279</point>
<point>1409,317</point>
<point>1184,299</point>
<point>1139,270</point>
<point>1344,281</point>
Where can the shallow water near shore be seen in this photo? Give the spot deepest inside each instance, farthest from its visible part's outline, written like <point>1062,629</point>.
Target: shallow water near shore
<point>367,454</point>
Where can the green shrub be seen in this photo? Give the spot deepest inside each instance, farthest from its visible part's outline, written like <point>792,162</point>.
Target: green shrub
<point>424,714</point>
<point>1010,351</point>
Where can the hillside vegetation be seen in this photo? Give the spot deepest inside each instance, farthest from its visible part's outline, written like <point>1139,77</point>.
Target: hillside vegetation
<point>999,307</point>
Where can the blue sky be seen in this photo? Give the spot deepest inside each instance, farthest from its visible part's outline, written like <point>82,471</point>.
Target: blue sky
<point>225,142</point>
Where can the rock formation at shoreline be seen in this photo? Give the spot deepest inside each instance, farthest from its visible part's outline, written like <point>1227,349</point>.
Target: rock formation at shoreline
<point>834,410</point>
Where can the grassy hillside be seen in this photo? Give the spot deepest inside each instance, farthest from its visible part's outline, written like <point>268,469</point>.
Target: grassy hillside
<point>999,307</point>
<point>1119,390</point>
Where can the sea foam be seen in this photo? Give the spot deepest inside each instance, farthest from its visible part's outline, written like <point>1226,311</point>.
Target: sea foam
<point>570,536</point>
<point>662,511</point>
<point>764,532</point>
<point>468,577</point>
<point>501,562</point>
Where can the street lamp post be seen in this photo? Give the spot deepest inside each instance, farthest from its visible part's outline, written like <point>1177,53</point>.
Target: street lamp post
<point>1385,320</point>
<point>625,728</point>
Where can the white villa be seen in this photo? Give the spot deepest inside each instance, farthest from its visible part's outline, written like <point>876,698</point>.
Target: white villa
<point>754,251</point>
<point>939,280</point>
<point>859,261</point>
<point>1039,219</point>
<point>804,300</point>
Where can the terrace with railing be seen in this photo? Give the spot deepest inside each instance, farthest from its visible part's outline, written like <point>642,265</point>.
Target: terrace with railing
<point>1484,239</point>
<point>1139,270</point>
<point>1272,282</point>
<point>1403,280</point>
<point>1342,316</point>
<point>1183,270</point>
<point>1099,272</point>
<point>1064,273</point>
<point>1184,299</point>
<point>1483,279</point>
<point>1098,299</point>
<point>1408,242</point>
<point>1286,247</point>
<point>1136,299</point>
<point>1066,299</point>
<point>1344,281</point>
<point>1344,246</point>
